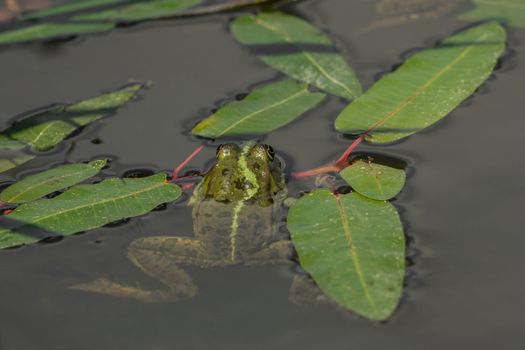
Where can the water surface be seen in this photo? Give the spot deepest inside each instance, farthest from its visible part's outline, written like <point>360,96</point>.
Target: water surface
<point>461,206</point>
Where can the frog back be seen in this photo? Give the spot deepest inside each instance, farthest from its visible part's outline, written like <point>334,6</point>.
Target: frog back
<point>234,231</point>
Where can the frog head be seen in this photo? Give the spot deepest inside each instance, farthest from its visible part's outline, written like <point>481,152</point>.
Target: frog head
<point>247,172</point>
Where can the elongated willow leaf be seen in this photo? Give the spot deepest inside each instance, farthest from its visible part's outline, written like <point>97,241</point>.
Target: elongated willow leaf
<point>44,130</point>
<point>41,184</point>
<point>428,86</point>
<point>132,8</point>
<point>105,14</point>
<point>12,154</point>
<point>70,7</point>
<point>510,12</point>
<point>265,109</point>
<point>85,207</point>
<point>354,249</point>
<point>298,49</point>
<point>139,11</point>
<point>51,30</point>
<point>374,180</point>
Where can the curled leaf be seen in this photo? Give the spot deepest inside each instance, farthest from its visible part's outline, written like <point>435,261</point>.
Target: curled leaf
<point>44,130</point>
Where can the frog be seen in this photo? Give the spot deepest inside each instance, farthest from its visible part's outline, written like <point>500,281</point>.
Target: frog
<point>236,212</point>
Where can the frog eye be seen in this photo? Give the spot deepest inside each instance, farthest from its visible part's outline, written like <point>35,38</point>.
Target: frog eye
<point>270,152</point>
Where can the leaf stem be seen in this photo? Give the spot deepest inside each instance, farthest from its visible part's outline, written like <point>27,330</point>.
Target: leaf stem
<point>341,163</point>
<point>175,173</point>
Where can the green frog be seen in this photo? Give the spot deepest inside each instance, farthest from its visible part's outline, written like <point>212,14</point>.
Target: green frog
<point>236,211</point>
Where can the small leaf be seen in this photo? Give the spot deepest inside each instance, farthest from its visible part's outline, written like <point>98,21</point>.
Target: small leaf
<point>263,110</point>
<point>85,207</point>
<point>428,86</point>
<point>41,184</point>
<point>44,130</point>
<point>374,180</point>
<point>298,49</point>
<point>510,12</point>
<point>51,30</point>
<point>354,249</point>
<point>139,11</point>
<point>13,154</point>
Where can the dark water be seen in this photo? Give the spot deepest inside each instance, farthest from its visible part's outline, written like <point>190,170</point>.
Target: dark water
<point>462,205</point>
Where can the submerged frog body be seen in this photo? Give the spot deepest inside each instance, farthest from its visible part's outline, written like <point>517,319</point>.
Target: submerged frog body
<point>236,210</point>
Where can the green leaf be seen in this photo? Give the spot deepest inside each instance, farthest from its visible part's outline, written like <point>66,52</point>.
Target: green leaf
<point>51,30</point>
<point>110,12</point>
<point>69,7</point>
<point>263,110</point>
<point>139,11</point>
<point>303,51</point>
<point>354,249</point>
<point>428,86</point>
<point>162,8</point>
<point>44,130</point>
<point>85,207</point>
<point>374,180</point>
<point>13,154</point>
<point>510,12</point>
<point>41,184</point>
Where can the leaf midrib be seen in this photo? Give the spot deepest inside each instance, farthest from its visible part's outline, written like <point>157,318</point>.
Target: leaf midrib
<point>355,258</point>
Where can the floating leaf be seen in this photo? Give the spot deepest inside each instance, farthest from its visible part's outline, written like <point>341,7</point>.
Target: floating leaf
<point>139,11</point>
<point>12,154</point>
<point>354,249</point>
<point>296,48</point>
<point>51,30</point>
<point>70,7</point>
<point>428,86</point>
<point>374,180</point>
<point>510,12</point>
<point>85,207</point>
<point>105,14</point>
<point>44,130</point>
<point>263,110</point>
<point>41,184</point>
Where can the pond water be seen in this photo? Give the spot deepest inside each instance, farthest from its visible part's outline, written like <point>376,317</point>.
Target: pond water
<point>461,206</point>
